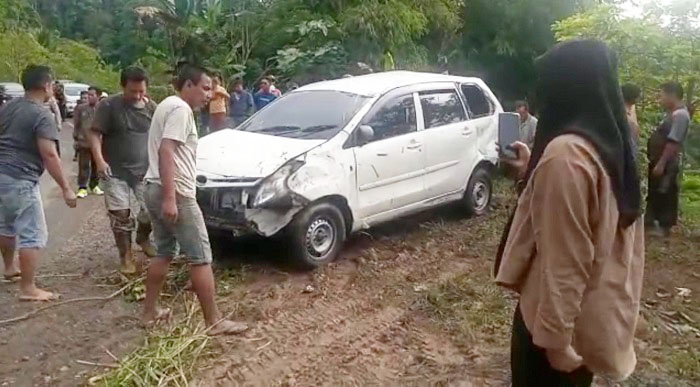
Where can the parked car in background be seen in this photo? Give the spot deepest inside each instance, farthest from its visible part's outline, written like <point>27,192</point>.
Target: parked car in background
<point>72,91</point>
<point>12,90</point>
<point>340,156</point>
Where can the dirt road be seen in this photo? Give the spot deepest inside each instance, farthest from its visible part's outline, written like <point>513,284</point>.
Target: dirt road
<point>43,350</point>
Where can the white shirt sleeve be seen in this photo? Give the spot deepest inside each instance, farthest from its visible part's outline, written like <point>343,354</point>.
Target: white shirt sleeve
<point>176,125</point>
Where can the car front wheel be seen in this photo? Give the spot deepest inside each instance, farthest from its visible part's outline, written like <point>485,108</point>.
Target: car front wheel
<point>317,235</point>
<point>477,197</point>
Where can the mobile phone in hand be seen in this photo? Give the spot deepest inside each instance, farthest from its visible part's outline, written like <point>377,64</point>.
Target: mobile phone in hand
<point>508,133</point>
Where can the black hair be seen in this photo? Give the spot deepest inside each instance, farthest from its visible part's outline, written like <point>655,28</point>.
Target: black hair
<point>673,88</point>
<point>133,74</point>
<point>84,92</point>
<point>190,73</point>
<point>98,91</point>
<point>631,93</point>
<point>522,103</point>
<point>35,77</point>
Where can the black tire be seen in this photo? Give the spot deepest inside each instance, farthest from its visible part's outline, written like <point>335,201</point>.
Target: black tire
<point>316,236</point>
<point>477,197</point>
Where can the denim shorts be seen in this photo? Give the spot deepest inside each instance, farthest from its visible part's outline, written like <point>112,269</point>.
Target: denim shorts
<point>189,232</point>
<point>22,213</point>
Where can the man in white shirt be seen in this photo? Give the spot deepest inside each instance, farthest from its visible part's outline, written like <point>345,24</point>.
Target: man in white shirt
<point>528,123</point>
<point>172,204</point>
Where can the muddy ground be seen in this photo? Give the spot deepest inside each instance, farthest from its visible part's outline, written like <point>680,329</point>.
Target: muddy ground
<point>410,303</point>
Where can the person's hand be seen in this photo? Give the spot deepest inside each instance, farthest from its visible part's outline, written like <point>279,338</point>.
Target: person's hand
<point>104,172</point>
<point>523,158</point>
<point>564,360</point>
<point>658,170</point>
<point>70,198</point>
<point>169,209</point>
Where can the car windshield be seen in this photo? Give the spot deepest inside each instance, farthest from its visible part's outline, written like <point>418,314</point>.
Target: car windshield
<point>74,90</point>
<point>314,115</point>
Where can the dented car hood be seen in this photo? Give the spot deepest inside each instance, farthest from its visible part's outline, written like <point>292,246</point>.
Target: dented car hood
<point>234,153</point>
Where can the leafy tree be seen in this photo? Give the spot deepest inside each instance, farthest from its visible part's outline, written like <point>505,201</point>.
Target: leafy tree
<point>503,37</point>
<point>662,46</point>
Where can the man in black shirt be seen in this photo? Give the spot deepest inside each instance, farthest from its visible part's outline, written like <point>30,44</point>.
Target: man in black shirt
<point>119,142</point>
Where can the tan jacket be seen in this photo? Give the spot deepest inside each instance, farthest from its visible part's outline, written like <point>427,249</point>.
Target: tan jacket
<point>578,274</point>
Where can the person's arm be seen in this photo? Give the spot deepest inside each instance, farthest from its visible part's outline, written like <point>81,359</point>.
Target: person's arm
<point>52,161</point>
<point>566,181</point>
<point>100,126</point>
<point>251,105</point>
<point>56,113</point>
<point>174,135</point>
<point>679,129</point>
<point>76,122</point>
<point>166,167</point>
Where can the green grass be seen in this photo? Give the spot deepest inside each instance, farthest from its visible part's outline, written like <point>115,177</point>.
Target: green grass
<point>168,357</point>
<point>686,363</point>
<point>472,307</point>
<point>690,200</point>
<point>172,355</point>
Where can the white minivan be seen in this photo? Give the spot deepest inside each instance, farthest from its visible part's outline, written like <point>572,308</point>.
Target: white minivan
<point>336,157</point>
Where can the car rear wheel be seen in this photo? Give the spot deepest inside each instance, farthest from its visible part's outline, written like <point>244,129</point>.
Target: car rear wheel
<point>317,235</point>
<point>477,197</point>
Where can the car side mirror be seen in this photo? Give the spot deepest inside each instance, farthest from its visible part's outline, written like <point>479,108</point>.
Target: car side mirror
<point>365,134</point>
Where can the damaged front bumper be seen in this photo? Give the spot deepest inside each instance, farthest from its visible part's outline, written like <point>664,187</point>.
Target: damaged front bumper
<point>230,209</point>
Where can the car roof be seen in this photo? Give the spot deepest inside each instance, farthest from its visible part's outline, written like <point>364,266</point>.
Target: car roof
<point>75,84</point>
<point>12,86</point>
<point>379,83</point>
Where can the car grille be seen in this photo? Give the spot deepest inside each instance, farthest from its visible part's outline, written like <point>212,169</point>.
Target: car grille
<point>222,207</point>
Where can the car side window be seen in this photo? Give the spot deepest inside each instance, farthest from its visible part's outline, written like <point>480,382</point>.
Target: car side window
<point>479,104</point>
<point>393,118</point>
<point>441,107</point>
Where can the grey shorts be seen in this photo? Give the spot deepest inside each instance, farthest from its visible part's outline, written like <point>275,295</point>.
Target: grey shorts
<point>22,213</point>
<point>119,195</point>
<point>189,231</point>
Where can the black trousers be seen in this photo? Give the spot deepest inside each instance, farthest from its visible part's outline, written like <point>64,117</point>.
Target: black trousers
<point>663,197</point>
<point>529,364</point>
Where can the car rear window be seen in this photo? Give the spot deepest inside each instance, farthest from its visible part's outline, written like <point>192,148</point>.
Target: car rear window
<point>479,104</point>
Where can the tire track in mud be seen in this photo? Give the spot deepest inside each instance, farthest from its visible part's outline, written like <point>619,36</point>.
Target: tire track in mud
<point>333,337</point>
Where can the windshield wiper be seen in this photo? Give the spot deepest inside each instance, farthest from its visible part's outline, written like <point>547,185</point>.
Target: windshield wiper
<point>318,128</point>
<point>278,128</point>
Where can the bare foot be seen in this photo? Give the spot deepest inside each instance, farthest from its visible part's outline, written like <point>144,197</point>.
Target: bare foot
<point>160,315</point>
<point>228,327</point>
<point>37,294</point>
<point>12,274</point>
<point>128,267</point>
<point>148,249</point>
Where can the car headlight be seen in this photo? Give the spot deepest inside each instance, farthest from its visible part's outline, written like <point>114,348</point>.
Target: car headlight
<point>273,191</point>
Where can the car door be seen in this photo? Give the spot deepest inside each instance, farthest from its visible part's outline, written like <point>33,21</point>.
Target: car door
<point>482,111</point>
<point>449,140</point>
<point>390,167</point>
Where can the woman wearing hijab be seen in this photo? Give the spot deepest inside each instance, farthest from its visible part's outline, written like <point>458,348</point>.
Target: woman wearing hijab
<point>574,248</point>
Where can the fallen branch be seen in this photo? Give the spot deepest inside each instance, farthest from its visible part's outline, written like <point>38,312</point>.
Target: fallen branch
<point>59,275</point>
<point>36,311</point>
<point>83,362</point>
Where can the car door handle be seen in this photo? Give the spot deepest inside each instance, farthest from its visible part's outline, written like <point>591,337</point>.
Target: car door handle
<point>414,146</point>
<point>382,154</point>
<point>467,132</point>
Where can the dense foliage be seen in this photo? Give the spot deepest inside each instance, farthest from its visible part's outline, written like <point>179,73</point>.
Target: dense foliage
<point>308,40</point>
